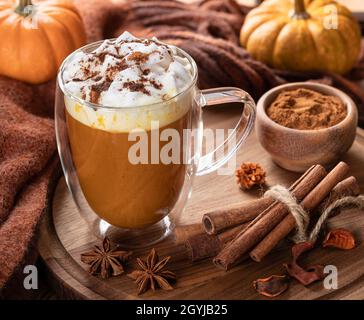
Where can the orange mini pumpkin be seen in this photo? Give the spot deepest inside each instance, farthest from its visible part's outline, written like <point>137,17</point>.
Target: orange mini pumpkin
<point>302,35</point>
<point>35,38</point>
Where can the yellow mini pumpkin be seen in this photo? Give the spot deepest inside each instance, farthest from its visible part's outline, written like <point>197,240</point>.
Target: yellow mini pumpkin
<point>35,38</point>
<point>302,35</point>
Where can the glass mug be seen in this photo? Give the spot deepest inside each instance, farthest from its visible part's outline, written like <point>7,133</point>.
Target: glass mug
<point>138,203</point>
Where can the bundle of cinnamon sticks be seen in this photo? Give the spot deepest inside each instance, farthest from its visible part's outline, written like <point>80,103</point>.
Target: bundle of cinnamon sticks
<point>254,228</point>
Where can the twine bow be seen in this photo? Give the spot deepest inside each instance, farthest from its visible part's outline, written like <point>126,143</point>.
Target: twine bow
<point>302,218</point>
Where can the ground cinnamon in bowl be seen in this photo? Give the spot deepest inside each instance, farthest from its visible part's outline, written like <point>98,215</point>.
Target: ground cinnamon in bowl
<point>305,109</point>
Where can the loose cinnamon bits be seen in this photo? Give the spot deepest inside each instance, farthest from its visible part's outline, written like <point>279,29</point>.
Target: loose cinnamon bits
<point>139,57</point>
<point>272,286</point>
<point>250,174</point>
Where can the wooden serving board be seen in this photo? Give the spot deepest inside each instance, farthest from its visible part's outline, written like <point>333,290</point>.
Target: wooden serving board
<point>65,235</point>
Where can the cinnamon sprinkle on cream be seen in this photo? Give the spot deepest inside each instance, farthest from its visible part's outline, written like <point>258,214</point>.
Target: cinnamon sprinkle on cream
<point>128,72</point>
<point>139,57</point>
<point>136,87</point>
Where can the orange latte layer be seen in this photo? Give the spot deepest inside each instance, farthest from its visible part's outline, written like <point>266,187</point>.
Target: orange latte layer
<point>124,194</point>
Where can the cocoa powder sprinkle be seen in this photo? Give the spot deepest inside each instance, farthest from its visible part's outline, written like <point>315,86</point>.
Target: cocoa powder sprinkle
<point>155,84</point>
<point>96,89</point>
<point>305,109</point>
<point>146,72</point>
<point>138,57</point>
<point>136,87</point>
<point>104,68</point>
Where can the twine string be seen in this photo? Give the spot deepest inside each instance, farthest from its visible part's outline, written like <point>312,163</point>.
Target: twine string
<point>302,218</point>
<point>283,195</point>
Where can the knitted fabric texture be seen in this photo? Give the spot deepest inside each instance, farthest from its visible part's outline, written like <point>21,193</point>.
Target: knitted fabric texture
<point>27,161</point>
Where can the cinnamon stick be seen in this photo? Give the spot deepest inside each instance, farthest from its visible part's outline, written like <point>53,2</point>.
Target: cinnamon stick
<point>232,253</point>
<point>218,220</point>
<point>229,234</point>
<point>309,203</point>
<point>346,188</point>
<point>184,232</point>
<point>201,246</point>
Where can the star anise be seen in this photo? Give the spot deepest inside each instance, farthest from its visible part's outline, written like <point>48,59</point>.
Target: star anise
<point>106,261</point>
<point>250,174</point>
<point>152,274</point>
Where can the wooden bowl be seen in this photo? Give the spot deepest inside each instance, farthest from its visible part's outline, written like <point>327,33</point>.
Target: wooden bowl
<point>296,150</point>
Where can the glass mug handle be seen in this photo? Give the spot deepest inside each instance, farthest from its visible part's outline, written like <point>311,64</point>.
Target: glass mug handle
<point>210,161</point>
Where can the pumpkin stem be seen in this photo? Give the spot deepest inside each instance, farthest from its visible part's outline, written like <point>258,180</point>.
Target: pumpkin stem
<point>299,11</point>
<point>24,7</point>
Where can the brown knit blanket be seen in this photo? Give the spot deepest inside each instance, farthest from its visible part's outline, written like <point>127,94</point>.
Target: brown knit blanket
<point>28,161</point>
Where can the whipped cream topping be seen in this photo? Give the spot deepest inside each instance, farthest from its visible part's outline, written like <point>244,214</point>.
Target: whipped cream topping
<point>127,72</point>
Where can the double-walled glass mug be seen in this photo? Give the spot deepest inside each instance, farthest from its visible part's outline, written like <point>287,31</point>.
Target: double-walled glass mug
<point>132,195</point>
